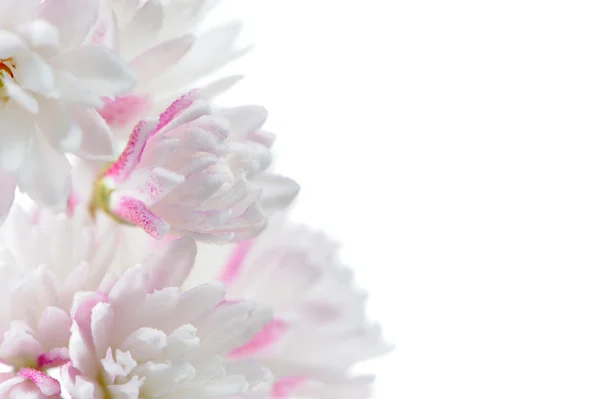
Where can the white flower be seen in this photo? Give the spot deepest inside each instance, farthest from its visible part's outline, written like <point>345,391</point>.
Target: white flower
<point>319,330</point>
<point>145,338</point>
<point>162,42</point>
<point>49,80</point>
<point>44,260</point>
<point>197,173</point>
<point>159,341</point>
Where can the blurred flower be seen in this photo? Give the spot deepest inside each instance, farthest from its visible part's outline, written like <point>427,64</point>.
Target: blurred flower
<point>319,330</point>
<point>50,79</point>
<point>197,173</point>
<point>162,42</point>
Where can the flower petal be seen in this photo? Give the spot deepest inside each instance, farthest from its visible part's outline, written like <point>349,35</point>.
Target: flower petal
<point>17,131</point>
<point>135,212</point>
<point>8,184</point>
<point>171,266</point>
<point>59,128</point>
<point>97,140</point>
<point>97,69</point>
<point>46,384</point>
<point>34,73</point>
<point>46,176</point>
<point>10,43</point>
<point>123,112</point>
<point>21,97</point>
<point>155,61</point>
<point>60,13</point>
<point>142,29</point>
<point>277,193</point>
<point>41,36</point>
<point>53,328</point>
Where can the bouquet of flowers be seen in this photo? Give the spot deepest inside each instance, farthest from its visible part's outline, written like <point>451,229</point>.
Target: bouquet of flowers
<point>144,247</point>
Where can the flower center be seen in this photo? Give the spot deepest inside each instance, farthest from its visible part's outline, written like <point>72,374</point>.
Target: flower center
<point>6,66</point>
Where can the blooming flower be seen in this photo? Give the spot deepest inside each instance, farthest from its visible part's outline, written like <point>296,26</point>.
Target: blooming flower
<point>163,44</point>
<point>197,173</point>
<point>50,78</point>
<point>137,331</point>
<point>319,330</point>
<point>145,338</point>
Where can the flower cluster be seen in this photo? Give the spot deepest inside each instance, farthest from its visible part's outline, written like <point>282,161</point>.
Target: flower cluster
<point>144,247</point>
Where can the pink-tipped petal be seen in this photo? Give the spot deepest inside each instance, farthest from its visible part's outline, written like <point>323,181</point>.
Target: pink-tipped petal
<point>266,338</point>
<point>54,358</point>
<point>135,212</point>
<point>46,384</point>
<point>180,106</point>
<point>131,155</point>
<point>121,112</point>
<point>284,387</point>
<point>235,262</point>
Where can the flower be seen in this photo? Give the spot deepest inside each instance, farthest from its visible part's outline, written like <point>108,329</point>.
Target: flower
<point>158,39</point>
<point>55,283</point>
<point>146,338</point>
<point>50,78</point>
<point>319,330</point>
<point>197,173</point>
<point>44,260</point>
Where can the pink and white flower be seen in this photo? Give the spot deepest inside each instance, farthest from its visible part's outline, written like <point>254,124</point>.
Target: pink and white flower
<point>319,330</point>
<point>164,44</point>
<point>146,338</point>
<point>197,173</point>
<point>50,80</point>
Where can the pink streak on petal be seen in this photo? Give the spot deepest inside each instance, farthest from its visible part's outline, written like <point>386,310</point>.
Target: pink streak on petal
<point>55,357</point>
<point>46,384</point>
<point>135,212</point>
<point>72,202</point>
<point>98,33</point>
<point>124,111</point>
<point>132,154</point>
<point>177,107</point>
<point>269,335</point>
<point>285,386</point>
<point>35,216</point>
<point>234,264</point>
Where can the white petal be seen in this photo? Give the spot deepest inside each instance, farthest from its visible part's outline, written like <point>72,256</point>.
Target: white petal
<point>244,120</point>
<point>97,140</point>
<point>97,69</point>
<point>16,11</point>
<point>218,87</point>
<point>71,89</point>
<point>140,32</point>
<point>10,43</point>
<point>73,18</point>
<point>46,175</point>
<point>171,266</point>
<point>34,73</point>
<point>145,344</point>
<point>41,36</point>
<point>101,325</point>
<point>25,99</point>
<point>278,192</point>
<point>8,184</point>
<point>54,328</point>
<point>58,126</point>
<point>17,131</point>
<point>159,59</point>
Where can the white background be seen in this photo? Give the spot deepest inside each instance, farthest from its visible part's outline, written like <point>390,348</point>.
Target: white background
<point>454,148</point>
